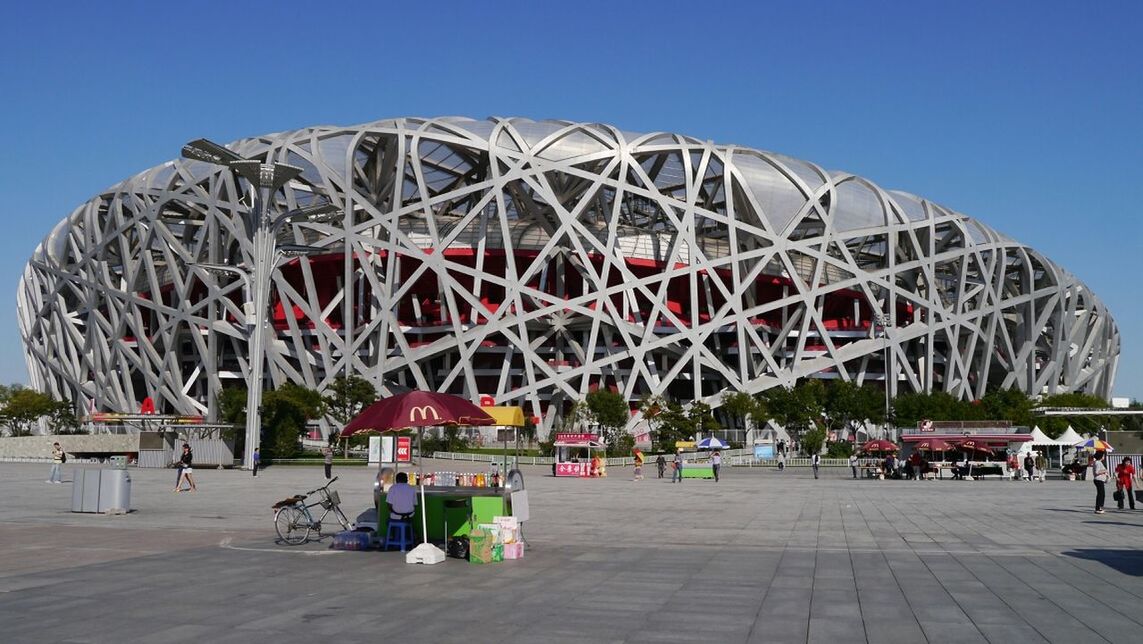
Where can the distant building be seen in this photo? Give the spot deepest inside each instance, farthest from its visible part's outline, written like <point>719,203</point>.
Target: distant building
<point>535,261</point>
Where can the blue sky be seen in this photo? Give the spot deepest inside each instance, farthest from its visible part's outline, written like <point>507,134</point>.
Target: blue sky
<point>1026,115</point>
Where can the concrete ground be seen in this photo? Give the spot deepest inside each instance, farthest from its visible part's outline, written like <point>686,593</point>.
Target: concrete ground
<point>762,556</point>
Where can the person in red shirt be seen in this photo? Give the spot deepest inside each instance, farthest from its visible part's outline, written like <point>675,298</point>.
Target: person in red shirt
<point>1124,481</point>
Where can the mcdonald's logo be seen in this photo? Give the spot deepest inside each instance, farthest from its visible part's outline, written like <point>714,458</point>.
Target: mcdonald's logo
<point>422,413</point>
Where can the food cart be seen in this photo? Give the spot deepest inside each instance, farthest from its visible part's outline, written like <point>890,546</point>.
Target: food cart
<point>694,469</point>
<point>456,502</point>
<point>574,452</point>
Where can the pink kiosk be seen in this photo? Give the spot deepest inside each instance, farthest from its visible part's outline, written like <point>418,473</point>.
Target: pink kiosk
<point>573,453</point>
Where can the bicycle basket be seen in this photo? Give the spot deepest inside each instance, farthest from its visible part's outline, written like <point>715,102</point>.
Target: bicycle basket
<point>331,499</point>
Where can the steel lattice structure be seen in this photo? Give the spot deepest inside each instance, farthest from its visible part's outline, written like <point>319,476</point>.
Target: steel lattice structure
<point>534,261</point>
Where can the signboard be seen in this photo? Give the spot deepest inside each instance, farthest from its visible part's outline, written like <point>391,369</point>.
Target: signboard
<point>763,451</point>
<point>562,437</point>
<point>571,469</point>
<point>374,450</point>
<point>685,444</point>
<point>404,449</point>
<point>926,425</point>
<point>388,449</point>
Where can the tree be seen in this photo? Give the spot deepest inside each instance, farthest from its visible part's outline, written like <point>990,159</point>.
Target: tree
<point>846,405</point>
<point>702,420</point>
<point>740,406</point>
<point>611,412</point>
<point>346,396</point>
<point>672,424</point>
<point>812,441</point>
<point>285,411</point>
<point>62,418</point>
<point>24,407</point>
<point>797,409</point>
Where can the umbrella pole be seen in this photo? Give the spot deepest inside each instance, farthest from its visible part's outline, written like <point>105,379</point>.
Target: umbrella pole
<point>421,482</point>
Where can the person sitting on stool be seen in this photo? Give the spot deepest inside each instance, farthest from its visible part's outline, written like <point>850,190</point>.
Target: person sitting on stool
<point>401,499</point>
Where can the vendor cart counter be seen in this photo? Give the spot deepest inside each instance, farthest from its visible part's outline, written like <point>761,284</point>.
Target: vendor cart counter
<point>485,503</point>
<point>698,471</point>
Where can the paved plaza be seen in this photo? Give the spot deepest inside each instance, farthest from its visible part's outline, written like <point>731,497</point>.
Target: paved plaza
<point>762,556</point>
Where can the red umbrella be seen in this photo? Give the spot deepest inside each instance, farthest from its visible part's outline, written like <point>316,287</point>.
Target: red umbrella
<point>416,409</point>
<point>933,445</point>
<point>879,445</point>
<point>975,446</point>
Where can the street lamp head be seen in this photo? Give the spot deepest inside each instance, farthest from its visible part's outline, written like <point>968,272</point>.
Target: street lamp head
<point>319,212</point>
<point>209,152</point>
<point>297,250</point>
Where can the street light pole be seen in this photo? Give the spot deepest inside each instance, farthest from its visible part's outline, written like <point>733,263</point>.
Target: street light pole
<point>884,322</point>
<point>266,179</point>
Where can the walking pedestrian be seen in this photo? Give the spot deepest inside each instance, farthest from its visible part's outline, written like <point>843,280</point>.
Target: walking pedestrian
<point>58,459</point>
<point>782,447</point>
<point>1099,477</point>
<point>1029,465</point>
<point>327,452</point>
<point>815,462</point>
<point>257,460</point>
<point>661,463</point>
<point>853,465</point>
<point>677,473</point>
<point>1041,467</point>
<point>638,464</point>
<point>1125,482</point>
<point>716,463</point>
<point>781,461</point>
<point>186,460</point>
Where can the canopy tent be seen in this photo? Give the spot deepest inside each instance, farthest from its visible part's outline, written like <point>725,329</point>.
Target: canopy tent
<point>1069,437</point>
<point>1040,439</point>
<point>505,416</point>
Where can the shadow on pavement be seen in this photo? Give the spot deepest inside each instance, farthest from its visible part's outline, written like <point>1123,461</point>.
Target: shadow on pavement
<point>1128,562</point>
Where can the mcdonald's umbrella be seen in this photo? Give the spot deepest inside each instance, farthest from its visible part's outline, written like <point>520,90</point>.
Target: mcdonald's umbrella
<point>879,445</point>
<point>1096,444</point>
<point>933,445</point>
<point>971,445</point>
<point>416,409</point>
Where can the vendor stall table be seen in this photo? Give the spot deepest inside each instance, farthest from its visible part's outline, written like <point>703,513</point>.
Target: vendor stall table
<point>698,471</point>
<point>452,505</point>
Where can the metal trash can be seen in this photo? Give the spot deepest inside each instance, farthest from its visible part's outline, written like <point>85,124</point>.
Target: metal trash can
<point>101,490</point>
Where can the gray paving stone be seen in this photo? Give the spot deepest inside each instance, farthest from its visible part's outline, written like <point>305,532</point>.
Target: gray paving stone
<point>761,558</point>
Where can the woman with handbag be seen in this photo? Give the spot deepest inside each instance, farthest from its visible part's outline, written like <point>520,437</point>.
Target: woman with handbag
<point>1124,482</point>
<point>1099,475</point>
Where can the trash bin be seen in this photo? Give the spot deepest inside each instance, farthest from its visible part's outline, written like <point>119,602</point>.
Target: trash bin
<point>101,490</point>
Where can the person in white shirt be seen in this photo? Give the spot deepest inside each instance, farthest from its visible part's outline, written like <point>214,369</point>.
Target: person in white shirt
<point>853,464</point>
<point>816,461</point>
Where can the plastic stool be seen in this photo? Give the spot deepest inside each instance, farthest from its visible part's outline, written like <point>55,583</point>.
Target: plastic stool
<point>404,534</point>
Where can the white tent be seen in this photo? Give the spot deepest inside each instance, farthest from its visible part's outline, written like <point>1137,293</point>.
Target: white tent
<point>1069,437</point>
<point>1040,439</point>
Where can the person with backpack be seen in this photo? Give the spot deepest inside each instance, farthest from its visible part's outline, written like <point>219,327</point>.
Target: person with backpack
<point>1029,466</point>
<point>58,459</point>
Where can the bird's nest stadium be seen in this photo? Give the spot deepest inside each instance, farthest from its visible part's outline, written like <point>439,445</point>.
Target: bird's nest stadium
<point>535,261</point>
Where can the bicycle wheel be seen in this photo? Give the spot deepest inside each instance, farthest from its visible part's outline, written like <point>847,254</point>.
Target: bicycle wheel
<point>341,518</point>
<point>292,525</point>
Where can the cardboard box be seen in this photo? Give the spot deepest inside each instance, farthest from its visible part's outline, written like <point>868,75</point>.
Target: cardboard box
<point>513,551</point>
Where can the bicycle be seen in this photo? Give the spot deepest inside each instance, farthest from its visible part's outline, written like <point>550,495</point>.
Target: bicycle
<point>294,522</point>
